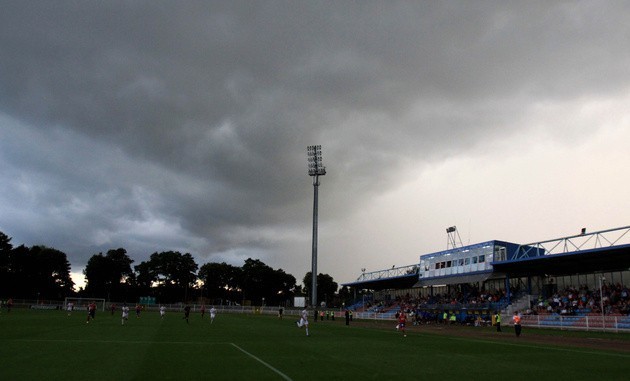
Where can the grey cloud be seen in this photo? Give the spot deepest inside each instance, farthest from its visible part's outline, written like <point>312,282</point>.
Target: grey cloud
<point>208,106</point>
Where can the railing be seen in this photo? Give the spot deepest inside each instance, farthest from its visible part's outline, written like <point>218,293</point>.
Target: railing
<point>388,273</point>
<point>374,315</point>
<point>578,242</point>
<point>580,323</point>
<point>34,303</point>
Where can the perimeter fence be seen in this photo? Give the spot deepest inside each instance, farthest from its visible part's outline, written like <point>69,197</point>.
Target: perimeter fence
<point>609,323</point>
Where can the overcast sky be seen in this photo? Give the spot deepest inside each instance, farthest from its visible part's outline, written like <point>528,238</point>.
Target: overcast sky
<point>163,125</point>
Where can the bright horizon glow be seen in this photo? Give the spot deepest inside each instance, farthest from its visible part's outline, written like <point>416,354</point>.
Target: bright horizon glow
<point>79,279</point>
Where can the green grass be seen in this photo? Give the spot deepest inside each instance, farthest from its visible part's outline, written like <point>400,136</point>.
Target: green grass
<point>48,345</point>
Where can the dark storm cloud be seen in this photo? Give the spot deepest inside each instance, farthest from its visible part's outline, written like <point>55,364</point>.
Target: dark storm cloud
<point>199,113</point>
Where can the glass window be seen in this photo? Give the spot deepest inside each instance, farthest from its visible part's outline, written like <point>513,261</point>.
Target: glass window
<point>482,258</point>
<point>474,260</point>
<point>502,256</point>
<point>448,263</point>
<point>467,261</point>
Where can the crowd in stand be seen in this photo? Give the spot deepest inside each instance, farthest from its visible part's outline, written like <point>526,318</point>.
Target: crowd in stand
<point>570,301</point>
<point>573,301</point>
<point>431,308</point>
<point>473,298</point>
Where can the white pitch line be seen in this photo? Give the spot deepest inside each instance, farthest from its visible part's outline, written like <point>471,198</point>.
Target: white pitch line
<point>262,362</point>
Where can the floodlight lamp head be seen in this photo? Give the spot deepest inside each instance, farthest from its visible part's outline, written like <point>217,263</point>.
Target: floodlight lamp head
<point>313,150</point>
<point>315,167</point>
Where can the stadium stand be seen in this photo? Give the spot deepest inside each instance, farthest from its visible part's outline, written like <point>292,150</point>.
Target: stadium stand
<point>475,281</point>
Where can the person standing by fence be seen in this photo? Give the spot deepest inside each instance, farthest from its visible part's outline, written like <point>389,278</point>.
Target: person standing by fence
<point>516,319</point>
<point>497,319</point>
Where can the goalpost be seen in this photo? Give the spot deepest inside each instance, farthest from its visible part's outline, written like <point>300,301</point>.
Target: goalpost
<point>81,304</point>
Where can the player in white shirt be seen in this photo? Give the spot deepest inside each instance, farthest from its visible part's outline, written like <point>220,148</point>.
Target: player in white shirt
<point>304,321</point>
<point>70,308</point>
<point>125,314</point>
<point>162,311</point>
<point>213,314</point>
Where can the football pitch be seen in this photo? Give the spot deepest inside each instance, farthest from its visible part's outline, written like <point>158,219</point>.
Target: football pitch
<point>49,345</point>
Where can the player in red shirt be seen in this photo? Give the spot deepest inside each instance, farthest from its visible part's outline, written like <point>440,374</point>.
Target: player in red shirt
<point>402,320</point>
<point>91,312</point>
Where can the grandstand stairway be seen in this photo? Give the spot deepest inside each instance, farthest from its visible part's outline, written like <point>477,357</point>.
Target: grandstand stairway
<point>521,304</point>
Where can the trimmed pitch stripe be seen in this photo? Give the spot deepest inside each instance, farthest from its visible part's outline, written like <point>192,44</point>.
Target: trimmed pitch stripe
<point>262,362</point>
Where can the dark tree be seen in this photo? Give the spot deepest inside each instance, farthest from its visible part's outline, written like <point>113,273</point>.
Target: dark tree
<point>284,288</point>
<point>326,287</point>
<point>50,273</point>
<point>5,243</point>
<point>171,273</point>
<point>17,279</point>
<point>36,273</point>
<point>122,277</point>
<point>220,281</point>
<point>109,276</point>
<point>145,276</point>
<point>6,268</point>
<point>345,296</point>
<point>261,281</point>
<point>255,278</point>
<point>97,274</point>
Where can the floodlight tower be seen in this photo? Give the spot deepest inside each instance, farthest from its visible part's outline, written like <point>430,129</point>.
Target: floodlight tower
<point>315,169</point>
<point>453,238</point>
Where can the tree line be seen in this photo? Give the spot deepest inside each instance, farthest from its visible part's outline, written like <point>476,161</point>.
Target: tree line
<point>169,277</point>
